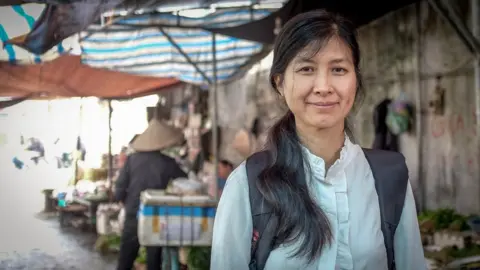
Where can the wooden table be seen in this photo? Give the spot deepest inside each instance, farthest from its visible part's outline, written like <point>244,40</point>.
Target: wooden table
<point>91,212</point>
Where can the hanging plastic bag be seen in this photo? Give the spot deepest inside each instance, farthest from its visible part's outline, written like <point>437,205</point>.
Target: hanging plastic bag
<point>399,115</point>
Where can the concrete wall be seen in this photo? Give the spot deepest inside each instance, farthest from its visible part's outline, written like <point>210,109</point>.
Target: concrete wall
<point>450,168</point>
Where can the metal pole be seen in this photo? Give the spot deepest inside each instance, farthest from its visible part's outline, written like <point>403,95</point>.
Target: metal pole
<point>476,74</point>
<point>76,152</point>
<point>110,157</point>
<point>213,91</point>
<point>103,24</point>
<point>189,60</point>
<point>418,111</point>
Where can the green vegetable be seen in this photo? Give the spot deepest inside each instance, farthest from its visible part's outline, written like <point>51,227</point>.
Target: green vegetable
<point>450,254</point>
<point>465,252</point>
<point>106,243</point>
<point>142,256</point>
<point>198,258</point>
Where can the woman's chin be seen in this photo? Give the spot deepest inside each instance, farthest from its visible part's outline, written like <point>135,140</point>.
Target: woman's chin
<point>323,123</point>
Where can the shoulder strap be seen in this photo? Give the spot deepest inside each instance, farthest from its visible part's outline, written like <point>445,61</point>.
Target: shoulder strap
<point>263,219</point>
<point>391,178</point>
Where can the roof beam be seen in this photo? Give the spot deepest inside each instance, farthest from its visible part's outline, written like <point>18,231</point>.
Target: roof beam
<point>446,11</point>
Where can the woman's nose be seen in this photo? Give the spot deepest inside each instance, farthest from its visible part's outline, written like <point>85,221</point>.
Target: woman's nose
<point>321,84</point>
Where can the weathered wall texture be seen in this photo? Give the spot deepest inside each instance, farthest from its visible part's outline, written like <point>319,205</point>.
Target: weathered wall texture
<point>449,165</point>
<point>450,169</point>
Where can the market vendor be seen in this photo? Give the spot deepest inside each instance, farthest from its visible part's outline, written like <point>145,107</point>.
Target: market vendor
<point>146,168</point>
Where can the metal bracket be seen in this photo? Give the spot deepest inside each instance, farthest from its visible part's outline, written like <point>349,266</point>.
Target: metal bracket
<point>445,10</point>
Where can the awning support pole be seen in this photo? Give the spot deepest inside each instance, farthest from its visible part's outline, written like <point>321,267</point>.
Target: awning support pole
<point>419,120</point>
<point>130,13</point>
<point>174,44</point>
<point>214,110</point>
<point>213,93</point>
<point>110,157</point>
<point>475,11</point>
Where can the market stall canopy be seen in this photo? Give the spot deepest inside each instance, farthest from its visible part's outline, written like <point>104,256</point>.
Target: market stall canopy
<point>156,45</point>
<point>67,77</point>
<point>59,21</point>
<point>359,12</point>
<point>18,20</point>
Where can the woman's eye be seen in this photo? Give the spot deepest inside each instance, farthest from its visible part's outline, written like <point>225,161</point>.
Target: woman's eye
<point>339,70</point>
<point>306,69</point>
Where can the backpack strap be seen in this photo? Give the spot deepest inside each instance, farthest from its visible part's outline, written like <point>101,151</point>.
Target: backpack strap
<point>391,179</point>
<point>263,218</point>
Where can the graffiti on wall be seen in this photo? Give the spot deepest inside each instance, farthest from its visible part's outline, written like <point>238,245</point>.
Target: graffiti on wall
<point>454,133</point>
<point>455,124</point>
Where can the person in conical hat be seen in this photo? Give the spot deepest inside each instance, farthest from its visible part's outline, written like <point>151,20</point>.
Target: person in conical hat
<point>158,136</point>
<point>146,168</point>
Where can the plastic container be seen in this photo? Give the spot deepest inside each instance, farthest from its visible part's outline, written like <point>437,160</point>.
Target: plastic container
<point>167,220</point>
<point>61,199</point>
<point>105,214</point>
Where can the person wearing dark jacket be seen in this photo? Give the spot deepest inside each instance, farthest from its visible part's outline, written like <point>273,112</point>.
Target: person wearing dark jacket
<point>147,168</point>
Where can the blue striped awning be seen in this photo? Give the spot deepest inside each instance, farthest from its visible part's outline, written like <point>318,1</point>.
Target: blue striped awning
<point>136,45</point>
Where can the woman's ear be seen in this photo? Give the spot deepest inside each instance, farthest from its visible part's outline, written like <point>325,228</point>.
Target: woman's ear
<point>279,83</point>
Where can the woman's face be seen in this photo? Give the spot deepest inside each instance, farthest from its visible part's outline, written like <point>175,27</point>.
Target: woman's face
<point>320,89</point>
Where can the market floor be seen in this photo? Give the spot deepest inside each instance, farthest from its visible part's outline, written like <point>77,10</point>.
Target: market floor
<point>30,242</point>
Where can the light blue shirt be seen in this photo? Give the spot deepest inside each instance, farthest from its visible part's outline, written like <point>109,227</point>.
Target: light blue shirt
<point>347,195</point>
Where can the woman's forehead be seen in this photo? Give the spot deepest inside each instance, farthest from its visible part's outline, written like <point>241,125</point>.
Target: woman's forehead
<point>333,48</point>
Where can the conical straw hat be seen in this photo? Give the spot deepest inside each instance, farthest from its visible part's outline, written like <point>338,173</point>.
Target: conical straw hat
<point>158,136</point>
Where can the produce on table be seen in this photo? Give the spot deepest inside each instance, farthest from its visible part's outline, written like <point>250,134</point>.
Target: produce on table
<point>442,219</point>
<point>198,258</point>
<point>450,254</point>
<point>448,220</point>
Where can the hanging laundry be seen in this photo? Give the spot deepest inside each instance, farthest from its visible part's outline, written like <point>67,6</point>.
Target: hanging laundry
<point>399,115</point>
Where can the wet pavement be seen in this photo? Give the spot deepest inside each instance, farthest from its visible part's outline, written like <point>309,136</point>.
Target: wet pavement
<point>47,246</point>
<point>32,241</point>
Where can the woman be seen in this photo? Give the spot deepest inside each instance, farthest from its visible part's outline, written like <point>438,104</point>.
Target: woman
<point>329,215</point>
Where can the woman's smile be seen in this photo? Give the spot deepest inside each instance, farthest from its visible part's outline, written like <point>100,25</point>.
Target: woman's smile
<point>323,106</point>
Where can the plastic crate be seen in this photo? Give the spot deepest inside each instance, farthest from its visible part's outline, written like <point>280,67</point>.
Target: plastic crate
<point>167,220</point>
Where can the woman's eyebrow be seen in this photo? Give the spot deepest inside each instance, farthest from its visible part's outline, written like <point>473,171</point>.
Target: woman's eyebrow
<point>303,59</point>
<point>339,60</point>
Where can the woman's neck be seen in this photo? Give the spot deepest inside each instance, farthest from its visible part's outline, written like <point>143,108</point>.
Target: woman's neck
<point>324,143</point>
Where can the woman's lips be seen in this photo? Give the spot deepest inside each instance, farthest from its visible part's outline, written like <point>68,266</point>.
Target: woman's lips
<point>323,104</point>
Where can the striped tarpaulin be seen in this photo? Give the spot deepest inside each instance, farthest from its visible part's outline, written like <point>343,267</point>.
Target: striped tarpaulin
<point>18,20</point>
<point>136,45</point>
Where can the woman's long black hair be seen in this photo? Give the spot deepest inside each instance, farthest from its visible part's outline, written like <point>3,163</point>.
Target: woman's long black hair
<point>283,184</point>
